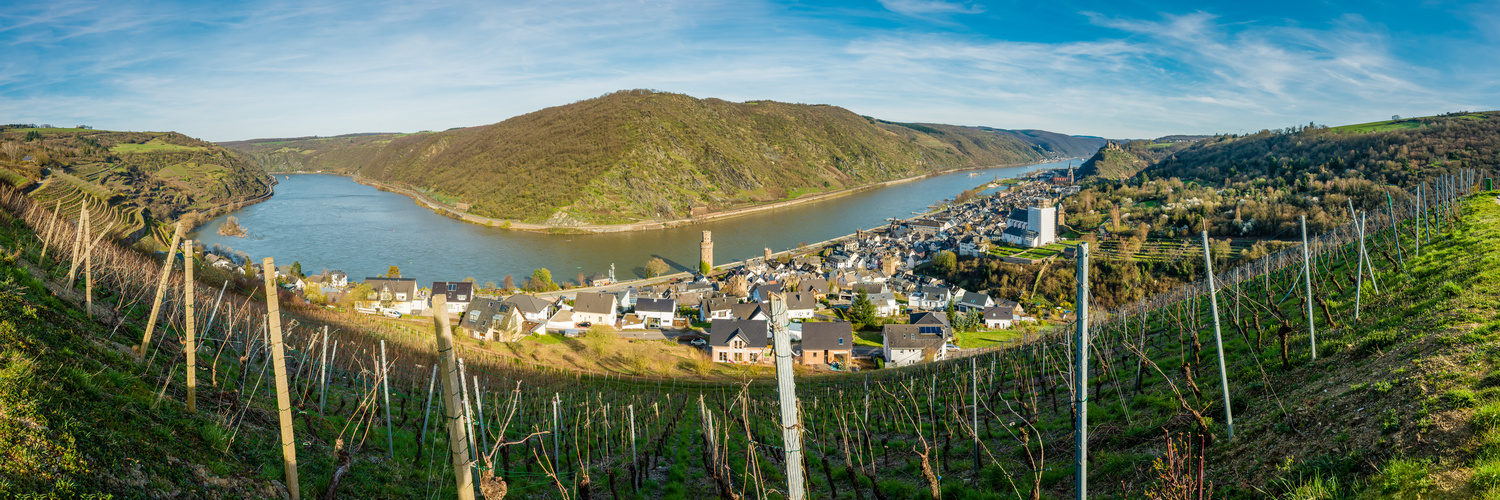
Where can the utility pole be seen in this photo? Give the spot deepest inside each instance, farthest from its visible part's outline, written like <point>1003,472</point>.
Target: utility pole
<point>1213,302</point>
<point>791,428</point>
<point>1081,375</point>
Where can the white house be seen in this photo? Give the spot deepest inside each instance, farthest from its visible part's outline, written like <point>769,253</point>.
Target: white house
<point>398,294</point>
<point>932,298</point>
<point>656,313</point>
<point>974,245</point>
<point>974,301</point>
<point>801,305</point>
<point>885,304</point>
<point>595,308</point>
<point>999,317</point>
<point>1032,227</point>
<point>531,307</point>
<point>459,294</point>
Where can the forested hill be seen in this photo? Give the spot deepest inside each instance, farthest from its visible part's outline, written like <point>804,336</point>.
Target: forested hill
<point>635,155</point>
<point>1395,152</point>
<point>135,182</point>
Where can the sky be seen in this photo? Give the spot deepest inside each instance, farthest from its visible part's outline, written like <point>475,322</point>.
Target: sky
<point>1112,68</point>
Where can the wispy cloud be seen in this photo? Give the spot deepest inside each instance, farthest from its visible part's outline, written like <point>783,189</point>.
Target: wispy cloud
<point>329,66</point>
<point>928,7</point>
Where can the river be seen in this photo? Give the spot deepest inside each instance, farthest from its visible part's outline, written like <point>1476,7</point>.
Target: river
<point>331,222</point>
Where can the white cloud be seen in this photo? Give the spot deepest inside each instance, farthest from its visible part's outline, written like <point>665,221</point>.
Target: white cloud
<point>927,7</point>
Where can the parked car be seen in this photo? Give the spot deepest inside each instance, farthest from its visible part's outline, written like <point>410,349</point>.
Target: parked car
<point>951,347</point>
<point>584,324</point>
<point>698,342</point>
<point>392,313</point>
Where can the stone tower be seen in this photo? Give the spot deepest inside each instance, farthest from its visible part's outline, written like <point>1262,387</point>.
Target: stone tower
<point>768,254</point>
<point>706,249</point>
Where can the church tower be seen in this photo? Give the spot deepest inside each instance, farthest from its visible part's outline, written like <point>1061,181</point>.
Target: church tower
<point>706,249</point>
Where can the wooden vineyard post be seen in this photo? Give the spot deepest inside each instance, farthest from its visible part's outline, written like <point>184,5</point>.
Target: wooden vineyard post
<point>634,463</point>
<point>47,238</point>
<point>1390,206</point>
<point>1369,263</point>
<point>78,242</point>
<point>426,413</point>
<point>278,364</point>
<point>323,375</point>
<point>161,289</point>
<point>974,395</point>
<point>1081,375</point>
<point>1312,332</point>
<point>88,267</point>
<point>190,333</point>
<point>791,428</point>
<point>1213,302</point>
<point>458,432</point>
<point>385,382</point>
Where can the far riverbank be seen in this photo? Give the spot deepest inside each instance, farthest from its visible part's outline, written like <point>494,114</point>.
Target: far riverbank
<point>454,213</point>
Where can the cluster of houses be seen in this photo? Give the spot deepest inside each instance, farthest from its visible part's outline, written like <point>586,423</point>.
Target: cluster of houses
<point>734,305</point>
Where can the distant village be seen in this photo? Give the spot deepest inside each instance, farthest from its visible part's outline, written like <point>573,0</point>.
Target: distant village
<point>727,313</point>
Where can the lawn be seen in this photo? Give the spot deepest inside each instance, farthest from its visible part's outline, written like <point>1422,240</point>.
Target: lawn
<point>971,340</point>
<point>1385,126</point>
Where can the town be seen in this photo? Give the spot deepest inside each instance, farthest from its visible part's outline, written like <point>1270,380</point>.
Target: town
<point>855,302</point>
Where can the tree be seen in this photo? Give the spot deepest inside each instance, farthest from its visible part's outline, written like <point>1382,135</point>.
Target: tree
<point>703,267</point>
<point>656,267</point>
<point>952,314</point>
<point>470,280</point>
<point>945,261</point>
<point>393,272</point>
<point>582,279</point>
<point>489,285</point>
<point>509,283</point>
<point>314,294</point>
<point>541,280</point>
<point>862,311</point>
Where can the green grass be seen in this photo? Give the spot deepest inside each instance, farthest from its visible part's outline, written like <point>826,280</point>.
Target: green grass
<point>972,340</point>
<point>154,146</point>
<point>1385,126</point>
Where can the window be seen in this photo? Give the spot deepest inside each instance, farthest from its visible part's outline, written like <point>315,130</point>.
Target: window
<point>463,297</point>
<point>738,357</point>
<point>374,295</point>
<point>453,287</point>
<point>723,356</point>
<point>400,296</point>
<point>841,341</point>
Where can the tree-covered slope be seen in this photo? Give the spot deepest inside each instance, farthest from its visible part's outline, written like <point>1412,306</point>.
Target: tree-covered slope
<point>635,155</point>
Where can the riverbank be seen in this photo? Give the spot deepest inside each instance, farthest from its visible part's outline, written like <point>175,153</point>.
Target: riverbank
<point>456,214</point>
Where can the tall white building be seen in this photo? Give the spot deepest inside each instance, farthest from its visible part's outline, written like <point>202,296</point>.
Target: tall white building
<point>1032,227</point>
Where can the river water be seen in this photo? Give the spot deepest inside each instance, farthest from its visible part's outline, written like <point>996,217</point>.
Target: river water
<point>331,222</point>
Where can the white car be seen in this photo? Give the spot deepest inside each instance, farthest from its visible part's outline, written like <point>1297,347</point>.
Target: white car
<point>951,347</point>
<point>698,342</point>
<point>392,313</point>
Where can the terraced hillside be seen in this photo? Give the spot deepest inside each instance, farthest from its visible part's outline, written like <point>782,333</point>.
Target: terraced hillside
<point>641,155</point>
<point>140,180</point>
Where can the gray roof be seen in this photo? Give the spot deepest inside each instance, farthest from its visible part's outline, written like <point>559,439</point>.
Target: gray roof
<point>821,336</point>
<point>1017,214</point>
<point>407,286</point>
<point>1015,231</point>
<point>929,291</point>
<point>460,288</point>
<point>720,303</point>
<point>799,301</point>
<point>487,309</point>
<point>929,318</point>
<point>907,337</point>
<point>869,288</point>
<point>656,305</point>
<point>529,304</point>
<point>749,309</point>
<point>1000,313</point>
<point>594,303</point>
<point>753,332</point>
<point>975,299</point>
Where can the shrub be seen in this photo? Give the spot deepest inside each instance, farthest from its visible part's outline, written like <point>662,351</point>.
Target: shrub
<point>1378,340</point>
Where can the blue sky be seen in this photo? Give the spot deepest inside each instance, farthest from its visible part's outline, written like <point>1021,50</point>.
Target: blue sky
<point>1120,69</point>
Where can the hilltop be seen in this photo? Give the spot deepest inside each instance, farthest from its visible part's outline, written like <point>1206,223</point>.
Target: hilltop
<point>640,155</point>
<point>135,182</point>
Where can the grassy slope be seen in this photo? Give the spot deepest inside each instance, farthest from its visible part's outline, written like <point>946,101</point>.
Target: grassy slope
<point>635,155</point>
<point>1390,407</point>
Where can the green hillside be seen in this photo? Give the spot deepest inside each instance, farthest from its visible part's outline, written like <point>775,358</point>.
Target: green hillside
<point>1124,160</point>
<point>136,181</point>
<point>635,155</point>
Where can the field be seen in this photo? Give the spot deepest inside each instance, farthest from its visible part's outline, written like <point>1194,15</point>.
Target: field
<point>154,146</point>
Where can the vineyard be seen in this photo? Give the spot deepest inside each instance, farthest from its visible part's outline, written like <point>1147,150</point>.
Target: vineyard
<point>67,195</point>
<point>1242,386</point>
